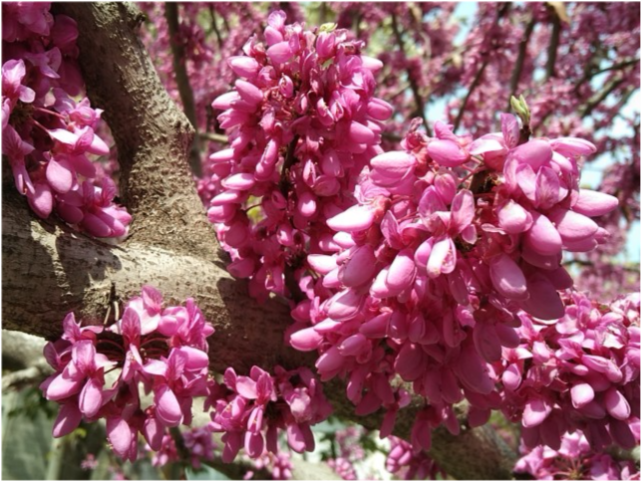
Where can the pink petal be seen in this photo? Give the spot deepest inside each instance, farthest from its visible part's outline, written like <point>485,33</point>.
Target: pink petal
<point>356,218</point>
<point>573,146</point>
<point>581,395</point>
<point>68,419</point>
<point>391,167</point>
<point>447,153</point>
<point>167,406</point>
<point>59,175</point>
<point>246,67</point>
<point>361,134</point>
<point>544,302</point>
<point>90,399</point>
<point>359,268</point>
<point>616,404</point>
<point>402,271</point>
<point>306,339</point>
<point>535,153</point>
<point>442,258</point>
<point>345,305</point>
<point>153,432</point>
<point>543,237</point>
<point>119,435</point>
<point>280,52</point>
<point>572,226</point>
<point>462,210</point>
<point>536,410</point>
<point>513,218</point>
<point>295,438</point>
<point>410,362</point>
<point>507,277</point>
<point>594,204</point>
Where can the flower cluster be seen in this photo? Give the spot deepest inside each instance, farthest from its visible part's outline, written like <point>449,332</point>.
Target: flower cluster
<point>405,463</point>
<point>302,121</point>
<point>250,410</point>
<point>580,373</point>
<point>573,459</point>
<point>448,240</point>
<point>162,350</point>
<point>48,136</point>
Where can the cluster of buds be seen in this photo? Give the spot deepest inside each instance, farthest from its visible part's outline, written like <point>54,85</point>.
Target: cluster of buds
<point>580,373</point>
<point>302,122</point>
<point>250,410</point>
<point>48,137</point>
<point>162,350</point>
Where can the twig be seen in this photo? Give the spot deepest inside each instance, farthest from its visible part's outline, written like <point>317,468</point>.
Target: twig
<point>182,80</point>
<point>554,44</point>
<point>601,96</point>
<point>420,103</point>
<point>213,137</point>
<point>518,66</point>
<point>473,85</point>
<point>617,66</point>
<point>214,26</point>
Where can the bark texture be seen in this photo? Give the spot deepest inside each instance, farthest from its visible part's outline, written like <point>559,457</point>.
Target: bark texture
<point>49,270</point>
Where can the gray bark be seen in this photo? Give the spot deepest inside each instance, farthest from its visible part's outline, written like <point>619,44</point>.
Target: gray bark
<point>49,270</point>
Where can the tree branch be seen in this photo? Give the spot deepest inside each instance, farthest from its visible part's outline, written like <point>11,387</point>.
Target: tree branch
<point>518,66</point>
<point>153,136</point>
<point>599,97</point>
<point>418,98</point>
<point>553,46</point>
<point>182,80</point>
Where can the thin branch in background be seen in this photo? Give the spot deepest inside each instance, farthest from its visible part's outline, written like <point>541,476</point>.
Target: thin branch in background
<point>553,46</point>
<point>473,85</point>
<point>599,97</point>
<point>420,103</point>
<point>182,80</point>
<point>479,74</point>
<point>322,14</point>
<point>617,66</point>
<point>518,66</point>
<point>213,137</point>
<point>214,26</point>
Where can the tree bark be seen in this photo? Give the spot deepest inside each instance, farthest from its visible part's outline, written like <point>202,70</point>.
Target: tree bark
<point>49,269</point>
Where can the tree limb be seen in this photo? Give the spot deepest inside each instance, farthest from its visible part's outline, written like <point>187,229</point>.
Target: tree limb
<point>418,98</point>
<point>182,80</point>
<point>553,46</point>
<point>518,66</point>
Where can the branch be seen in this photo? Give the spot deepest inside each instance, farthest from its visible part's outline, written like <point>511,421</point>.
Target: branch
<point>518,66</point>
<point>182,80</point>
<point>420,103</point>
<point>473,85</point>
<point>153,136</point>
<point>214,137</point>
<point>479,74</point>
<point>553,47</point>
<point>599,97</point>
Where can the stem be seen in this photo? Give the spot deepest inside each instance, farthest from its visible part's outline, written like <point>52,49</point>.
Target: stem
<point>213,137</point>
<point>473,85</point>
<point>554,44</point>
<point>182,80</point>
<point>518,66</point>
<point>601,96</point>
<point>420,103</point>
